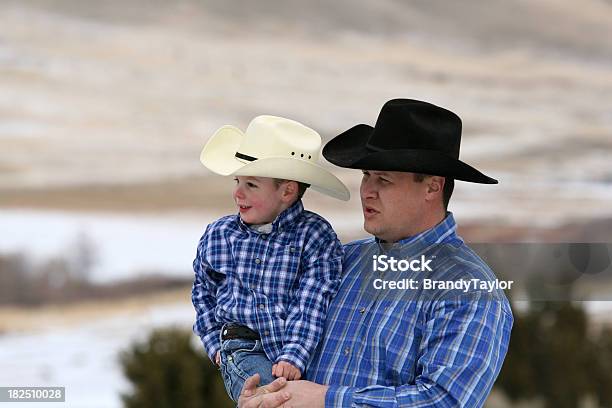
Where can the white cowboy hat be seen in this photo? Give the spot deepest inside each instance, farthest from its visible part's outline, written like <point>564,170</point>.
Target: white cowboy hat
<point>272,147</point>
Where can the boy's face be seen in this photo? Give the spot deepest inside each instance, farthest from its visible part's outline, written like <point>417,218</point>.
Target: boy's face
<point>259,199</point>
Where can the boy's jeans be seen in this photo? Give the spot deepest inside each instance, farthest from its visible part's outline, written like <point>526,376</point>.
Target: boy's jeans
<point>240,359</point>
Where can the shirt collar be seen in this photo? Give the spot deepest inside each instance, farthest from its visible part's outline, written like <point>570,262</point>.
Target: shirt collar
<point>443,232</point>
<point>282,220</point>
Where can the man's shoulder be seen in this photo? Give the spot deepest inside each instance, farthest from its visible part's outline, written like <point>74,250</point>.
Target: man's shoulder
<point>465,255</point>
<point>462,259</point>
<point>460,262</point>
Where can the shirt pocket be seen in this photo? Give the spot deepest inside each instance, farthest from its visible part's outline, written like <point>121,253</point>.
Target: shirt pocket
<point>392,343</point>
<point>283,268</point>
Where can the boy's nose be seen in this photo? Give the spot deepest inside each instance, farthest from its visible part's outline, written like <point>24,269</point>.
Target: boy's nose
<point>238,193</point>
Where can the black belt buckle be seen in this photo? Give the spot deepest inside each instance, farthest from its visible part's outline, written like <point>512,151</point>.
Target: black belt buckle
<point>238,332</point>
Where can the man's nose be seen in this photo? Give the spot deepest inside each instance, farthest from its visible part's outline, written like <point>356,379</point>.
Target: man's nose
<point>368,189</point>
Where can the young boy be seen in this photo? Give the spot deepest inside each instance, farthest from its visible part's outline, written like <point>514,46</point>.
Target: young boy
<point>264,277</point>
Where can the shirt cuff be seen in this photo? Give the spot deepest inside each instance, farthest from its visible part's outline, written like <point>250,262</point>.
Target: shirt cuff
<point>294,354</point>
<point>339,396</point>
<point>212,344</point>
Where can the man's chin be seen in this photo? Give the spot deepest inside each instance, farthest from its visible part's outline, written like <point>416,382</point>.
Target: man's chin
<point>370,228</point>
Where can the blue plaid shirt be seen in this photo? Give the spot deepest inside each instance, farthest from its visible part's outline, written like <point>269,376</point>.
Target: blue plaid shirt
<point>278,284</point>
<point>385,351</point>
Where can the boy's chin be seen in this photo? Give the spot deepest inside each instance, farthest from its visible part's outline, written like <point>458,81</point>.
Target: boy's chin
<point>253,221</point>
<point>249,220</point>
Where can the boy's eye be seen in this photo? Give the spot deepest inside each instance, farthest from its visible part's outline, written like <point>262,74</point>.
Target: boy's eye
<point>236,180</point>
<point>251,185</point>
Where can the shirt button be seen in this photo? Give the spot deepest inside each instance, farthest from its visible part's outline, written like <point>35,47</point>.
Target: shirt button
<point>264,236</point>
<point>257,261</point>
<point>292,249</point>
<point>347,350</point>
<point>262,307</point>
<point>266,333</point>
<point>362,310</point>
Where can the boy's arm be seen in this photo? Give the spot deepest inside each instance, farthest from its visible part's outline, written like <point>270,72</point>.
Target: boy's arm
<point>203,297</point>
<point>318,283</point>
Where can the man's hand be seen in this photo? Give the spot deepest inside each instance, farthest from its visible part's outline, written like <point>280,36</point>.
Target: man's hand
<point>287,370</point>
<point>306,394</point>
<point>268,396</point>
<point>218,358</point>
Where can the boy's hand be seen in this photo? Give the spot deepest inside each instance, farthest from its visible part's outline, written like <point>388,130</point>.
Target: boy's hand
<point>218,358</point>
<point>287,370</point>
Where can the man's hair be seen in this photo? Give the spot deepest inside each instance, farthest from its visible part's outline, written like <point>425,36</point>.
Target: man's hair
<point>301,186</point>
<point>447,192</point>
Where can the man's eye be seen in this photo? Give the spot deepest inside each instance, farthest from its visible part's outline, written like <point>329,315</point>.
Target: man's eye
<point>251,185</point>
<point>383,180</point>
<point>365,173</point>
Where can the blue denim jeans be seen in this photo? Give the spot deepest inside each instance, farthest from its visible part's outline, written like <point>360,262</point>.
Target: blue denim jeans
<point>240,359</point>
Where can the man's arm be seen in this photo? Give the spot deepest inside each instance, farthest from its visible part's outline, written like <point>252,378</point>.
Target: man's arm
<point>462,350</point>
<point>461,353</point>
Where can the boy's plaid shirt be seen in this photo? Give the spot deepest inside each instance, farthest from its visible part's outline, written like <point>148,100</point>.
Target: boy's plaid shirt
<point>278,284</point>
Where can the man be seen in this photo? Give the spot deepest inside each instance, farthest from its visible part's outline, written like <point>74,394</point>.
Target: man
<point>421,348</point>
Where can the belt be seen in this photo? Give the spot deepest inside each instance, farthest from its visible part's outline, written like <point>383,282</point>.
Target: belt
<point>238,332</point>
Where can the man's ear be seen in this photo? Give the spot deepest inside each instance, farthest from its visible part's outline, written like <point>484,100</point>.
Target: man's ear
<point>435,186</point>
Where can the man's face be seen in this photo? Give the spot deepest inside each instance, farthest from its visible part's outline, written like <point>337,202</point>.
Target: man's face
<point>393,204</point>
<point>259,199</point>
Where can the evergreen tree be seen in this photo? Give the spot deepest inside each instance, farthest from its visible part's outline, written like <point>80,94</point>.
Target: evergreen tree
<point>168,371</point>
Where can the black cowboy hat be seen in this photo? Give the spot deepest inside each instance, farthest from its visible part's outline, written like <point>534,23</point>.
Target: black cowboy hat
<point>409,135</point>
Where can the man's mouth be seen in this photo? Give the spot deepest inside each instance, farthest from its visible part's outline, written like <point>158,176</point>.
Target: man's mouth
<point>368,211</point>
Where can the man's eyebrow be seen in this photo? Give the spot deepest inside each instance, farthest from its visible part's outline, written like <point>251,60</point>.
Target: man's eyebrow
<point>381,173</point>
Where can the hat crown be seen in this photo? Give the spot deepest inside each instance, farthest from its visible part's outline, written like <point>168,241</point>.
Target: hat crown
<point>271,136</point>
<point>412,124</point>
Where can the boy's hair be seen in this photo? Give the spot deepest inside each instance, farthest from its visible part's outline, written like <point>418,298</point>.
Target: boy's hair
<point>301,186</point>
<point>447,191</point>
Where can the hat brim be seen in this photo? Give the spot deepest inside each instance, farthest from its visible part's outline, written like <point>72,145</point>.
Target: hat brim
<point>349,150</point>
<point>319,179</point>
<point>219,157</point>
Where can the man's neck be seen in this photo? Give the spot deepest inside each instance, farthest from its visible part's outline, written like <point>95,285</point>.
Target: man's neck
<point>428,222</point>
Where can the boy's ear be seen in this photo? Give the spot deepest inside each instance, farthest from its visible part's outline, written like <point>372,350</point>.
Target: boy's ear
<point>290,190</point>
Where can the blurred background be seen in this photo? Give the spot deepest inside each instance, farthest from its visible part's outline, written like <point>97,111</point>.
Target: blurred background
<point>105,106</point>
